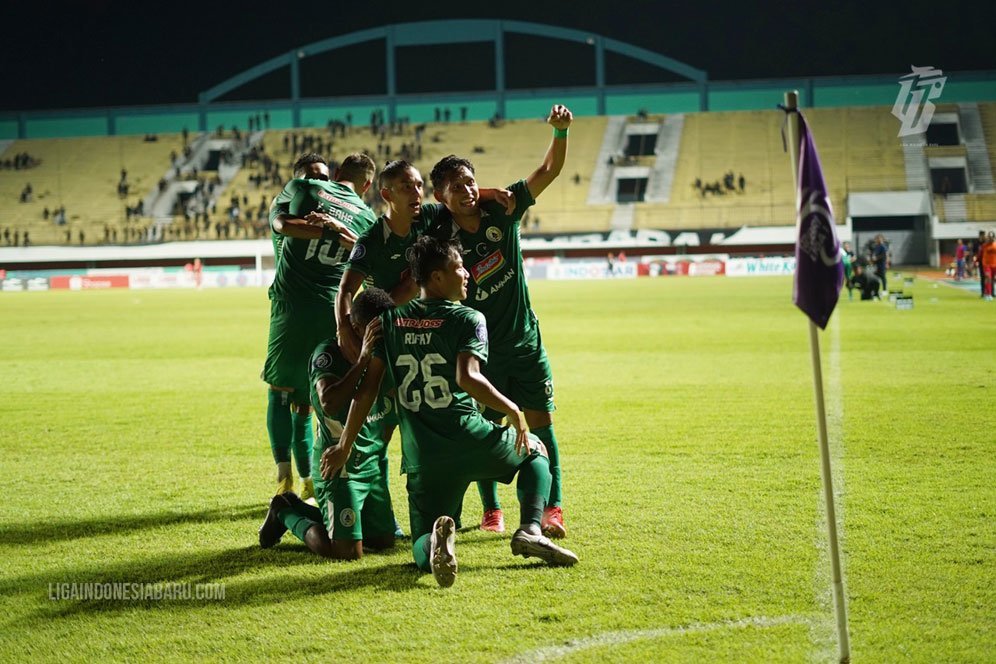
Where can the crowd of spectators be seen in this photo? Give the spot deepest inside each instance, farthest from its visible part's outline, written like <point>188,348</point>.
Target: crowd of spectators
<point>730,184</point>
<point>19,162</point>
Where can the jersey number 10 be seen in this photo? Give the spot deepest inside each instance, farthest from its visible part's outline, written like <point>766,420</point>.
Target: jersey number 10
<point>323,252</point>
<point>435,391</point>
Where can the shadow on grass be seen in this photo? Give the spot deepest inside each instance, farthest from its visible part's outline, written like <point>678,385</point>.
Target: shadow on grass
<point>269,585</point>
<point>69,529</point>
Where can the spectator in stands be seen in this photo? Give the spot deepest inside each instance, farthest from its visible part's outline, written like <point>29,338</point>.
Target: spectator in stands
<point>847,258</point>
<point>6,236</point>
<point>463,114</point>
<point>82,237</point>
<point>266,119</point>
<point>186,135</point>
<point>577,178</point>
<point>610,268</point>
<point>45,213</point>
<point>27,242</point>
<point>17,238</point>
<point>742,182</point>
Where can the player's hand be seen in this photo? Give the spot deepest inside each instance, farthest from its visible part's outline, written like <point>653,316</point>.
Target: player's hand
<point>518,421</point>
<point>333,459</point>
<point>560,117</point>
<point>505,198</point>
<point>371,334</point>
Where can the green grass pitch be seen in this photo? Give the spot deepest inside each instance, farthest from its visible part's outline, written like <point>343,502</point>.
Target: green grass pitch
<point>134,450</point>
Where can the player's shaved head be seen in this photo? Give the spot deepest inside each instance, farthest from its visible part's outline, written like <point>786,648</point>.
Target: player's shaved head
<point>369,304</point>
<point>446,167</point>
<point>357,168</point>
<point>430,255</point>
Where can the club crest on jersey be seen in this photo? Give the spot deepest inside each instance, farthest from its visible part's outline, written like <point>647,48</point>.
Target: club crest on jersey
<point>323,361</point>
<point>482,249</point>
<point>489,266</point>
<point>493,233</point>
<point>359,251</point>
<point>347,517</point>
<point>482,330</point>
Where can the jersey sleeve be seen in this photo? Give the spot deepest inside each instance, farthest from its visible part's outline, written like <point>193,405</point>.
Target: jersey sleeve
<point>428,213</point>
<point>327,362</point>
<point>305,200</point>
<point>523,199</point>
<point>473,335</point>
<point>281,203</point>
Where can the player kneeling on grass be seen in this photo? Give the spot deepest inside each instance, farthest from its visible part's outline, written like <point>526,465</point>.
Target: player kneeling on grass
<point>354,504</point>
<point>433,348</point>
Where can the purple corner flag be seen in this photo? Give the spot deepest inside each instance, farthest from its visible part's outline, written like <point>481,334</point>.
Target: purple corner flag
<point>819,272</point>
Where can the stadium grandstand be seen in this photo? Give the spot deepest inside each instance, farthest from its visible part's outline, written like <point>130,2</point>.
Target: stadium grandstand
<point>700,158</point>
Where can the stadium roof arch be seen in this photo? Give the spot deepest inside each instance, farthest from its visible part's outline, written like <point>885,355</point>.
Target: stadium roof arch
<point>427,33</point>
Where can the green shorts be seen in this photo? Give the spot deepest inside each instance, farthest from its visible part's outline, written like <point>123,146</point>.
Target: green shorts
<point>525,378</point>
<point>353,508</point>
<point>437,491</point>
<point>296,328</point>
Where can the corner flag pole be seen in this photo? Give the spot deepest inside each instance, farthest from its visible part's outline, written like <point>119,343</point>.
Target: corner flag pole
<point>840,608</point>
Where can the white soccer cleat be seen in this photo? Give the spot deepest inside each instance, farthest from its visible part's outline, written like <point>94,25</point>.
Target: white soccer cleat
<point>528,545</point>
<point>442,555</point>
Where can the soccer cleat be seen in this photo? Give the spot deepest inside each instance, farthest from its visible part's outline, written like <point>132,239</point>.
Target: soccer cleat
<point>442,556</point>
<point>307,489</point>
<point>493,520</point>
<point>398,532</point>
<point>285,484</point>
<point>553,523</point>
<point>528,545</point>
<point>273,528</point>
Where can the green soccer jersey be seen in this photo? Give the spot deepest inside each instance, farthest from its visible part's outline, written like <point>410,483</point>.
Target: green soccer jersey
<point>497,285</point>
<point>371,444</point>
<point>310,270</point>
<point>383,257</point>
<point>440,422</point>
<point>280,205</point>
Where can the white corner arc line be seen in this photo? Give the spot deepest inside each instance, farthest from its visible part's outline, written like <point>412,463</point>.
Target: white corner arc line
<point>549,653</point>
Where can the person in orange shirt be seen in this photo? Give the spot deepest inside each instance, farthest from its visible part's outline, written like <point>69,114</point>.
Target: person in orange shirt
<point>988,252</point>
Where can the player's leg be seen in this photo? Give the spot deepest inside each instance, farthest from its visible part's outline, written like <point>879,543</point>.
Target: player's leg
<point>280,374</point>
<point>532,389</point>
<point>344,498</point>
<point>390,424</point>
<point>532,488</point>
<point>430,506</point>
<point>302,440</point>
<point>492,518</point>
<point>377,515</point>
<point>279,429</point>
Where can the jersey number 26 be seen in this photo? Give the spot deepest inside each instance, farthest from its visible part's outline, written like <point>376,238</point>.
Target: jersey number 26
<point>435,391</point>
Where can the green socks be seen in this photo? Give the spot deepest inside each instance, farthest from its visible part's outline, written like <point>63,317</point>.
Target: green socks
<point>489,495</point>
<point>300,518</point>
<point>420,550</point>
<point>301,441</point>
<point>548,438</point>
<point>278,425</point>
<point>532,488</point>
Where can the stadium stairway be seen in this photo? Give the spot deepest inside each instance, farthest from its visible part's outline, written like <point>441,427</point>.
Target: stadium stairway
<point>979,169</point>
<point>915,162</point>
<point>662,174</point>
<point>955,207</point>
<point>600,191</point>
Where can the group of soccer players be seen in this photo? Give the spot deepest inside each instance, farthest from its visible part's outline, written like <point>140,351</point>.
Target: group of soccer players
<point>442,341</point>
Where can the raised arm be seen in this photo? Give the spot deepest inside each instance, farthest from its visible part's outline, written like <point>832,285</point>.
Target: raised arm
<point>560,118</point>
<point>335,457</point>
<point>349,341</point>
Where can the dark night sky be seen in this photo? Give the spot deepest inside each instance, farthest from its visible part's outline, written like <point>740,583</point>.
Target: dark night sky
<point>113,52</point>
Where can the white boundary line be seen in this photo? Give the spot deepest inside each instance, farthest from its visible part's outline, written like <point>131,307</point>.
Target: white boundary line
<point>548,653</point>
